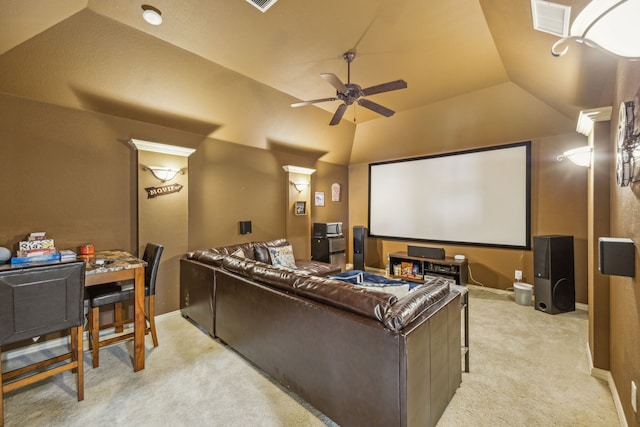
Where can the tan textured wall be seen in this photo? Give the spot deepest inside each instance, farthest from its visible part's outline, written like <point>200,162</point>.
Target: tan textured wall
<point>230,183</point>
<point>65,173</point>
<point>326,175</point>
<point>625,291</point>
<point>332,211</point>
<point>74,175</point>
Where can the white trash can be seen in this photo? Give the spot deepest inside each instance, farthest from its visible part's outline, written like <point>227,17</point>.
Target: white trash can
<point>523,291</point>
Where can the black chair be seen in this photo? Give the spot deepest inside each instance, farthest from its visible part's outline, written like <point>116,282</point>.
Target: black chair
<point>116,294</point>
<point>35,301</point>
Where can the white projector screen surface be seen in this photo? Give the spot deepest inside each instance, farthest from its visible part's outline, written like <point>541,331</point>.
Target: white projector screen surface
<point>477,197</point>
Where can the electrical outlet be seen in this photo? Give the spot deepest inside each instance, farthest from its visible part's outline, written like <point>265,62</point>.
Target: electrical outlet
<point>634,396</point>
<point>518,274</point>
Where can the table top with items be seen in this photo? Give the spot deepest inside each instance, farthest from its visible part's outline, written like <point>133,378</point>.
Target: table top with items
<point>112,260</point>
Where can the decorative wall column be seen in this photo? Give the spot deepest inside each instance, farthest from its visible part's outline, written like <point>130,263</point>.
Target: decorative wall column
<point>163,213</point>
<point>298,209</point>
<point>598,205</point>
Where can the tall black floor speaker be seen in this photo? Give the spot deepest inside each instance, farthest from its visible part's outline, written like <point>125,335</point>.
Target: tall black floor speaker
<point>554,284</point>
<point>359,243</point>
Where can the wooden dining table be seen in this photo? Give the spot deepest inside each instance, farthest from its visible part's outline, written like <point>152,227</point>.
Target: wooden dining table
<point>116,266</point>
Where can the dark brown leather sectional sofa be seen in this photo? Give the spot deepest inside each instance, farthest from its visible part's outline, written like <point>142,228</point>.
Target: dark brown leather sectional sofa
<point>362,357</point>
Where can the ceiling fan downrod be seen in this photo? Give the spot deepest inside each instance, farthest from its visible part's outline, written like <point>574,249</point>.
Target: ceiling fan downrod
<point>349,57</point>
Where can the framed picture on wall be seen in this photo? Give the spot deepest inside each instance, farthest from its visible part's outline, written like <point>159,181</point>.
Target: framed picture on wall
<point>319,198</point>
<point>301,208</point>
<point>335,192</point>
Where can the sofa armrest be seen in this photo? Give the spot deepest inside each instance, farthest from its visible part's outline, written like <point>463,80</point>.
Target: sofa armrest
<point>407,308</point>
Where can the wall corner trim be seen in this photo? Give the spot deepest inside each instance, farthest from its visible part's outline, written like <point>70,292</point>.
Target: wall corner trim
<point>156,147</point>
<point>604,375</point>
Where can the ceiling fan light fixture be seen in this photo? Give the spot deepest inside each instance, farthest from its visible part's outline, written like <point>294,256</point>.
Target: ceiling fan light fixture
<point>608,25</point>
<point>151,15</point>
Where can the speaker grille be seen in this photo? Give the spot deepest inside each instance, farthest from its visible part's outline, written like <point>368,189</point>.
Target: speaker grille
<point>554,282</point>
<point>541,257</point>
<point>563,295</point>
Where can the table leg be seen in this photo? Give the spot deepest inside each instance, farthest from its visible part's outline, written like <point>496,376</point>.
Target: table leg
<point>466,331</point>
<point>139,320</point>
<point>1,393</point>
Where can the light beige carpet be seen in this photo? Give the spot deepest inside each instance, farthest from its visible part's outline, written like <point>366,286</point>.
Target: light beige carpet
<point>527,368</point>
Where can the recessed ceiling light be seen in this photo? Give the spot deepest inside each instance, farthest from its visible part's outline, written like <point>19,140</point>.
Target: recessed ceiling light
<point>151,14</point>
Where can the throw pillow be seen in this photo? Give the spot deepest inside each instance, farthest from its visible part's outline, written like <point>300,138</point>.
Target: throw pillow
<point>282,255</point>
<point>239,253</point>
<point>261,254</point>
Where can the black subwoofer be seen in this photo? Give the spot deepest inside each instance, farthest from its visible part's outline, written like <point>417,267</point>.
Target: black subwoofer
<point>359,242</point>
<point>554,283</point>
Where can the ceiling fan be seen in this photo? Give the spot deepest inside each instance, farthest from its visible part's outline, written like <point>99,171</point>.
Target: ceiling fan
<point>351,92</point>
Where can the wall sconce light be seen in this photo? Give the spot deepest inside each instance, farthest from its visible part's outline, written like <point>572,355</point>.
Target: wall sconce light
<point>162,173</point>
<point>300,186</point>
<point>151,14</point>
<point>609,25</point>
<point>581,156</point>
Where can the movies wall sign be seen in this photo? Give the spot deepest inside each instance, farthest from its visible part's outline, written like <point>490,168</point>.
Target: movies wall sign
<point>153,192</point>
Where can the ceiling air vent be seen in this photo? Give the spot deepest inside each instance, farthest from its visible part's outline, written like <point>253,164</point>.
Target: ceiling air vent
<point>550,17</point>
<point>263,5</point>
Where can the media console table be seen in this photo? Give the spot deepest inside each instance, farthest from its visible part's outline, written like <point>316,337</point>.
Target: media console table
<point>448,267</point>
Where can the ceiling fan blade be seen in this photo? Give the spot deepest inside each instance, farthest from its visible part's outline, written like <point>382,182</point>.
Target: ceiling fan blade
<point>376,107</point>
<point>313,101</point>
<point>334,81</point>
<point>338,115</point>
<point>385,87</point>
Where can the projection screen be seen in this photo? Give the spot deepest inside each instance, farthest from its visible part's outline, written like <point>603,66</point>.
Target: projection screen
<point>476,197</point>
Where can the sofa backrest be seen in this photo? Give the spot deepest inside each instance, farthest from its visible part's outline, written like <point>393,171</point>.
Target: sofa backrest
<point>254,263</point>
<point>372,304</point>
<point>251,250</point>
<point>278,277</point>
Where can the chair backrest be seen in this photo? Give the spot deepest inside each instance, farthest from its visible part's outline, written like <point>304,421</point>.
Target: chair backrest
<point>152,254</point>
<point>39,300</point>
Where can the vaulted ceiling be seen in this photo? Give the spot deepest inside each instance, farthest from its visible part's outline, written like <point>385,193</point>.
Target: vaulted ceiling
<point>101,56</point>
